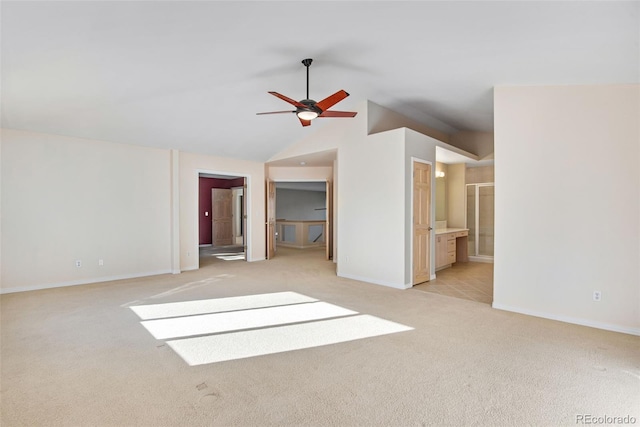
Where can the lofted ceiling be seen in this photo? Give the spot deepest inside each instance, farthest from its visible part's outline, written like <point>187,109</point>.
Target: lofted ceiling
<point>192,75</point>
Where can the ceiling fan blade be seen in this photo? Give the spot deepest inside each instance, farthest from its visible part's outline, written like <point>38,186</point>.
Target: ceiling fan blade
<point>329,101</point>
<point>338,114</point>
<point>276,112</point>
<point>289,100</point>
<point>305,122</point>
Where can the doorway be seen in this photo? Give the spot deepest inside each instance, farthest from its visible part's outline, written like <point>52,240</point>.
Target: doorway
<point>222,218</point>
<point>299,217</point>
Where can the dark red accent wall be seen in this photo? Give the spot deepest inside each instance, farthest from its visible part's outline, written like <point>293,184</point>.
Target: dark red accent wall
<point>204,203</point>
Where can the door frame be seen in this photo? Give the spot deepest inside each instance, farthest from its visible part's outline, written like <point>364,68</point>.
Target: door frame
<point>332,206</point>
<point>248,211</point>
<point>432,213</point>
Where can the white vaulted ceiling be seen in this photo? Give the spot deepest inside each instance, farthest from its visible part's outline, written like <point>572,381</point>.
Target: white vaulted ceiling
<point>192,75</point>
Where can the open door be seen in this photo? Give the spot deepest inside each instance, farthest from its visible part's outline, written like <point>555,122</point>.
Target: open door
<point>421,222</point>
<point>271,218</point>
<point>328,228</point>
<point>222,218</point>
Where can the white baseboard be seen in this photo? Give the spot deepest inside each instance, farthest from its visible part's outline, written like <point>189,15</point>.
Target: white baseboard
<point>81,282</point>
<point>374,281</point>
<point>567,319</point>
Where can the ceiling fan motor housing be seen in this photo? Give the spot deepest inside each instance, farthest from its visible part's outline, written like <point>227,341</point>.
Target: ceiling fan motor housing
<point>311,106</point>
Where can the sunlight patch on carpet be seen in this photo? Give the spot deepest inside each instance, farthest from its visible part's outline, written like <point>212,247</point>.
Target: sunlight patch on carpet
<point>221,329</point>
<point>240,345</point>
<point>190,308</point>
<point>245,319</point>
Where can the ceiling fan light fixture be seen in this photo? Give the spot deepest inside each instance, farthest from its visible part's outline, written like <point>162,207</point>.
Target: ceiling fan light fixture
<point>307,115</point>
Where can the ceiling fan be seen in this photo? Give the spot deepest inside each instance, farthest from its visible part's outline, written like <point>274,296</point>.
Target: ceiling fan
<point>308,109</point>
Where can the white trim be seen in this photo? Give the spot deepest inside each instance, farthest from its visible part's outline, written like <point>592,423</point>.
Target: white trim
<point>567,319</point>
<point>82,282</point>
<point>247,181</point>
<point>373,281</point>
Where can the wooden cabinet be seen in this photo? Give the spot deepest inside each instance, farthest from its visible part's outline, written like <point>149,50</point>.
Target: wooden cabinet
<point>450,247</point>
<point>441,251</point>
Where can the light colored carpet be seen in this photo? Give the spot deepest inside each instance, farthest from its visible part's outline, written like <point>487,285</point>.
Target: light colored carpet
<point>79,356</point>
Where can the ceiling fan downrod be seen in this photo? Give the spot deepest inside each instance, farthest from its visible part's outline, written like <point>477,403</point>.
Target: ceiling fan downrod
<point>307,62</point>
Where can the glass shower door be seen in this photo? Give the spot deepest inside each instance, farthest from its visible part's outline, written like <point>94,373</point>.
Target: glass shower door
<point>471,219</point>
<point>480,219</point>
<point>485,220</point>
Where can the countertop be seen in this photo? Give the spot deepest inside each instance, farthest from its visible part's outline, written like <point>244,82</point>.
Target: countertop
<point>449,230</point>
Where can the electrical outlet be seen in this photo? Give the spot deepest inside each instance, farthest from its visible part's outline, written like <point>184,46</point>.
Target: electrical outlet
<point>597,295</point>
<point>101,262</point>
<point>78,263</point>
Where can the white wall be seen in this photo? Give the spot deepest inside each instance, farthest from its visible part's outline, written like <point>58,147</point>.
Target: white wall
<point>66,199</point>
<point>300,173</point>
<point>193,164</point>
<point>567,203</point>
<point>371,208</point>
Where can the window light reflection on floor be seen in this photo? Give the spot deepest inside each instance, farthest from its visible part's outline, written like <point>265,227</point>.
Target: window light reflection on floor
<point>240,345</point>
<point>231,257</point>
<point>178,327</point>
<point>222,329</point>
<point>217,305</point>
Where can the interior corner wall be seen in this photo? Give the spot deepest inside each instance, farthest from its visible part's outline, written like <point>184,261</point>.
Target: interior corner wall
<point>381,119</point>
<point>371,209</point>
<point>567,204</point>
<point>68,199</point>
<point>191,165</point>
<point>478,143</point>
<point>422,147</point>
